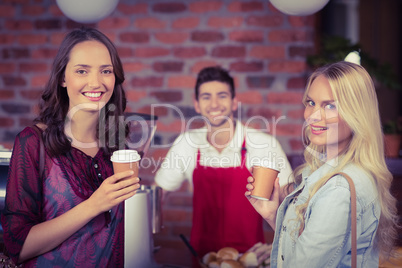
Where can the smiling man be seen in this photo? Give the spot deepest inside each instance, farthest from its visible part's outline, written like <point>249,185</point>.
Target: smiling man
<point>219,158</point>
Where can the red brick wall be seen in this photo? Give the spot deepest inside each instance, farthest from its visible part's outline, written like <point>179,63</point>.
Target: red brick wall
<point>163,44</point>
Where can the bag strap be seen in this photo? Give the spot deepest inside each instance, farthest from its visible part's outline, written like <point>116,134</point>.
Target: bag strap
<point>41,151</point>
<point>353,216</point>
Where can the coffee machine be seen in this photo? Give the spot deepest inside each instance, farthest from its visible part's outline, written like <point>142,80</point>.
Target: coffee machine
<point>143,210</point>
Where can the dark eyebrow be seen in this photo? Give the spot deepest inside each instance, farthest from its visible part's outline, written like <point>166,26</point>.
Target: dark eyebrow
<point>223,93</point>
<point>89,66</point>
<point>205,93</point>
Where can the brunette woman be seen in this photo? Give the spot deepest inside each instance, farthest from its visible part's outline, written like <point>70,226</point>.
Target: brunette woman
<point>72,214</point>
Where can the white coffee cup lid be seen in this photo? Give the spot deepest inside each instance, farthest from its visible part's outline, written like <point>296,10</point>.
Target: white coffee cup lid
<point>125,156</point>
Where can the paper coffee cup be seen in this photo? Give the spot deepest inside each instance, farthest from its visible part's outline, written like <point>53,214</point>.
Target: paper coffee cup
<point>125,160</point>
<point>264,176</point>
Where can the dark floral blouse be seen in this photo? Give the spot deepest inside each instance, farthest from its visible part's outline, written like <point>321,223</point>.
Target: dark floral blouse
<point>68,180</point>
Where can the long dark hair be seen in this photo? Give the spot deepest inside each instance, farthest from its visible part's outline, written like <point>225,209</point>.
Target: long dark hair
<point>54,103</point>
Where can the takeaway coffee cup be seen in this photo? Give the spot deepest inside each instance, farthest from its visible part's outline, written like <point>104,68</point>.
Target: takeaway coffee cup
<point>124,160</point>
<point>264,176</point>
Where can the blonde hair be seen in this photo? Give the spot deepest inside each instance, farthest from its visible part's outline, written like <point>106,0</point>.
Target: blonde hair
<point>353,90</point>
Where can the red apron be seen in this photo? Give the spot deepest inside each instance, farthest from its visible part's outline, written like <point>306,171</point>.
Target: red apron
<point>222,215</point>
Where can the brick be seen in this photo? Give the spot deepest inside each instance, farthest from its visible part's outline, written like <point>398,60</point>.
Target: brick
<point>31,94</point>
<point>167,96</point>
<point>176,126</point>
<point>134,37</point>
<point>15,53</point>
<point>296,145</point>
<point>182,81</point>
<point>229,51</point>
<point>268,52</point>
<point>287,36</point>
<point>252,97</point>
<point>150,23</point>
<point>296,113</point>
<point>301,51</point>
<point>172,37</point>
<point>6,39</point>
<point>198,66</point>
<point>24,121</point>
<point>134,67</point>
<point>33,10</point>
<point>149,81</point>
<point>158,154</point>
<point>135,95</point>
<point>242,66</point>
<point>225,22</point>
<point>114,23</point>
<point>39,80</point>
<point>247,36</point>
<point>265,112</point>
<point>259,81</point>
<point>18,25</point>
<point>50,24</point>
<point>158,111</point>
<point>287,66</point>
<point>265,21</point>
<point>33,67</point>
<point>302,21</point>
<point>44,53</point>
<point>169,7</point>
<point>186,23</point>
<point>6,122</point>
<point>71,25</point>
<point>56,38</point>
<point>32,39</point>
<point>6,94</point>
<point>293,130</point>
<point>205,6</point>
<point>7,68</point>
<point>285,97</point>
<point>55,10</point>
<point>296,83</point>
<point>237,6</point>
<point>187,112</point>
<point>15,108</point>
<point>168,66</point>
<point>25,2</point>
<point>130,9</point>
<point>125,52</point>
<point>149,52</point>
<point>10,80</point>
<point>207,36</point>
<point>7,11</point>
<point>189,52</point>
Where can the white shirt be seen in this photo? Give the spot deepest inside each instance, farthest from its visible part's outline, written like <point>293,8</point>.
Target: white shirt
<point>180,161</point>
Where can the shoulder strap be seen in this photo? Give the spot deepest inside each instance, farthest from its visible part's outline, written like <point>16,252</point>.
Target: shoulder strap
<point>353,216</point>
<point>41,151</point>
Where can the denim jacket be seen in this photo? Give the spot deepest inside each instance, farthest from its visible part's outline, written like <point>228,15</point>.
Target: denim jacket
<point>326,238</point>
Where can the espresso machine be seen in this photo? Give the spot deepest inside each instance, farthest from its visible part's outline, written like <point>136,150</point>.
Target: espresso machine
<point>143,210</point>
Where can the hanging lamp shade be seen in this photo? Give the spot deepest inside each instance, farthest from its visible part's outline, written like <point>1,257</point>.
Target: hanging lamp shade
<point>87,11</point>
<point>299,7</point>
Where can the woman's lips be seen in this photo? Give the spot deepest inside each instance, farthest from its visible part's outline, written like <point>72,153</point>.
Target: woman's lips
<point>317,130</point>
<point>93,96</point>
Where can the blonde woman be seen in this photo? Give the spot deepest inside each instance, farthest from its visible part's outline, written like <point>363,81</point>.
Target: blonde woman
<point>342,134</point>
